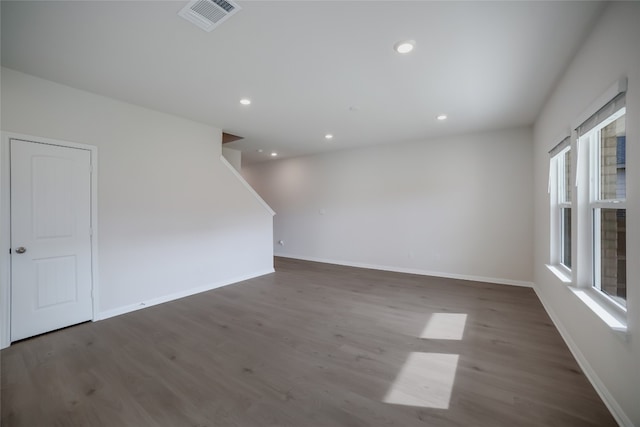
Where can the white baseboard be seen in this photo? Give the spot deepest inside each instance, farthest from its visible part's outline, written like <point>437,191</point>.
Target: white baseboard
<point>177,295</point>
<point>604,393</point>
<point>412,271</point>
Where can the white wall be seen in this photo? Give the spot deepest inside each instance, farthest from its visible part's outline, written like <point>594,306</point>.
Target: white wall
<point>234,157</point>
<point>456,207</point>
<point>172,217</point>
<point>610,52</point>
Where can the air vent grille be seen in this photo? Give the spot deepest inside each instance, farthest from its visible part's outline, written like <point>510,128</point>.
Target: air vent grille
<point>208,14</point>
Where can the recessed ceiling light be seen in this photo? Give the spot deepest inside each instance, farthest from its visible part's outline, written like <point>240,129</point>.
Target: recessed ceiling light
<point>328,136</point>
<point>404,46</point>
<point>273,154</point>
<point>259,150</point>
<point>245,101</point>
<point>442,117</point>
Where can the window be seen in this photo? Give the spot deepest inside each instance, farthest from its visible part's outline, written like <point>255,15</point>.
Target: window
<point>564,205</point>
<point>560,190</point>
<point>588,201</point>
<point>606,144</point>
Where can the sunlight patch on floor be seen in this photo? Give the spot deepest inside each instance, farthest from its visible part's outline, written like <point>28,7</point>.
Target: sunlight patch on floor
<point>425,380</point>
<point>445,326</point>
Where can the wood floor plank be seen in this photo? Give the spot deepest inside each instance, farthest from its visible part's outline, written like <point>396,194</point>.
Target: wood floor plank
<point>311,345</point>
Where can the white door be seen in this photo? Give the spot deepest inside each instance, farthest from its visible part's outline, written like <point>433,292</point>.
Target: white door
<point>50,237</point>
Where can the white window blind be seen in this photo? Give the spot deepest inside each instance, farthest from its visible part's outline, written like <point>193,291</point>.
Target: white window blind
<point>602,114</point>
<point>560,146</point>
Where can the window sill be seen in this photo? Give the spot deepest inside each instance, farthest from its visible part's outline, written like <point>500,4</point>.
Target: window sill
<point>615,317</point>
<point>561,273</point>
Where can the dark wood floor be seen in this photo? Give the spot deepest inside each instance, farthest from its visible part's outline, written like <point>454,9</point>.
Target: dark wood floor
<point>311,345</point>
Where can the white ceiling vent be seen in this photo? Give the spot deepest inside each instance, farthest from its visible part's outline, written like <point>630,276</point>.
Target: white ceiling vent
<point>208,14</point>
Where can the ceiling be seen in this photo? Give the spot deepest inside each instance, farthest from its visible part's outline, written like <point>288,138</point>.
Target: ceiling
<point>310,68</point>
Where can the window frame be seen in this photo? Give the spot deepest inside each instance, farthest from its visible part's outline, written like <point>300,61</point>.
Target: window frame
<point>580,283</point>
<point>563,181</point>
<point>557,191</point>
<point>594,205</point>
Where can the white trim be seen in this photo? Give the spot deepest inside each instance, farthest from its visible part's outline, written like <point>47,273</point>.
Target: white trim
<point>561,272</point>
<point>611,92</point>
<point>605,308</point>
<point>412,271</point>
<point>95,294</point>
<point>578,161</point>
<point>610,204</point>
<point>246,184</point>
<point>5,225</point>
<point>5,244</point>
<point>551,174</point>
<point>616,410</point>
<point>612,118</point>
<point>177,295</point>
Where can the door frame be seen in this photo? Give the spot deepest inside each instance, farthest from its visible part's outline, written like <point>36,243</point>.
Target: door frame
<point>5,225</point>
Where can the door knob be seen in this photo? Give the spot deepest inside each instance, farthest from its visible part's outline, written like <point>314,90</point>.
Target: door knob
<point>21,250</point>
